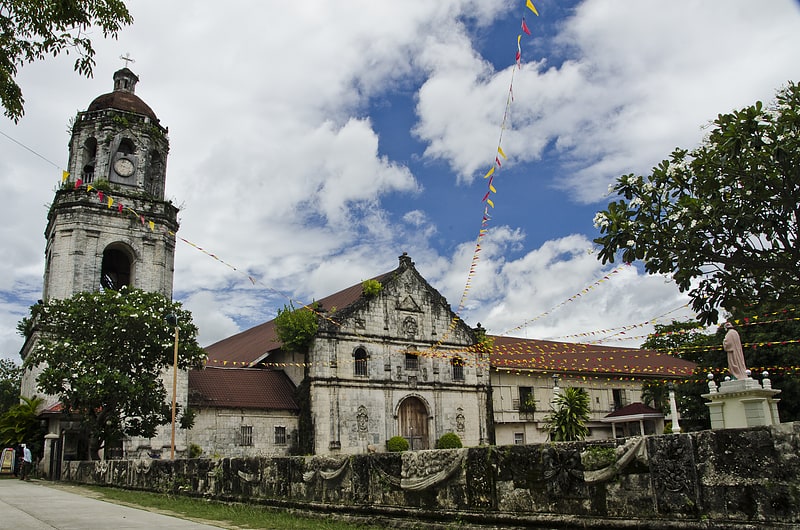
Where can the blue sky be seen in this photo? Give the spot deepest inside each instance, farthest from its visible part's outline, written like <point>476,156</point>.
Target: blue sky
<point>312,143</point>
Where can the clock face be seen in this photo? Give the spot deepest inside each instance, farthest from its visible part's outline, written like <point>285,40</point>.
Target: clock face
<point>124,167</point>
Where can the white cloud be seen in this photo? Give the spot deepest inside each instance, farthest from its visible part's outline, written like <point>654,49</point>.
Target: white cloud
<point>281,172</point>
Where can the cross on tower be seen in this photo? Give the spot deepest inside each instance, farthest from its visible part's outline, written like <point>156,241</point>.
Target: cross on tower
<point>127,59</point>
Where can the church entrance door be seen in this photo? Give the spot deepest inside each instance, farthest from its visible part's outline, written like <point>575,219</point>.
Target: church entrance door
<point>413,420</point>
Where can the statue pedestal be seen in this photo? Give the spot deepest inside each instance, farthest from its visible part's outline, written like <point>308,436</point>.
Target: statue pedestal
<point>742,403</point>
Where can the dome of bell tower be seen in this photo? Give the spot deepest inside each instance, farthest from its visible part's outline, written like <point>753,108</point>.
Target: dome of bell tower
<point>118,140</point>
<point>123,97</point>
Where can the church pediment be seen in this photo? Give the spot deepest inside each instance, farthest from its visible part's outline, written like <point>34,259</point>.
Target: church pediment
<point>409,304</point>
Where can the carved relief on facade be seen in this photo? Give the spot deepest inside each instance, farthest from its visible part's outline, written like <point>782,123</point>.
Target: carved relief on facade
<point>409,327</point>
<point>362,420</point>
<point>460,420</point>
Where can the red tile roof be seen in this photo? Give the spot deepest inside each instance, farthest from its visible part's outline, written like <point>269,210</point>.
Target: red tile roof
<point>567,357</point>
<point>253,345</point>
<point>246,388</point>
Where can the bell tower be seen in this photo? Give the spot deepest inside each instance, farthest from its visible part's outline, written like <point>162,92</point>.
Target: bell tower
<point>109,224</point>
<point>108,227</point>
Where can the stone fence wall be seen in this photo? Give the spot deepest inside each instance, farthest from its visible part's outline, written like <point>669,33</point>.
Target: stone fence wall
<point>738,478</point>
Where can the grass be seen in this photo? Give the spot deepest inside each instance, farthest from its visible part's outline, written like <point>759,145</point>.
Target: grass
<point>227,515</point>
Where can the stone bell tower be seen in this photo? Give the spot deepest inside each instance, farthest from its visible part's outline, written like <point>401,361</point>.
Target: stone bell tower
<point>109,225</point>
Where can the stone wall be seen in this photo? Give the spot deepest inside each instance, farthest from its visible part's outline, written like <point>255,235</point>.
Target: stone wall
<point>744,478</point>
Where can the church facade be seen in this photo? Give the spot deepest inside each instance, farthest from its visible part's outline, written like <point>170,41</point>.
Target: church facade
<point>396,362</point>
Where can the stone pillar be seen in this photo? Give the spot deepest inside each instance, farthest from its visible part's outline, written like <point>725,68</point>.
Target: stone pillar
<point>673,409</point>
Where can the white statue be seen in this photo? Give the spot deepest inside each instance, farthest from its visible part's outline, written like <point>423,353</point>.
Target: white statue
<point>732,345</point>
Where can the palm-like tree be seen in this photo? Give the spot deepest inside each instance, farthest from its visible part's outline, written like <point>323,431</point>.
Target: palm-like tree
<point>570,412</point>
<point>20,424</point>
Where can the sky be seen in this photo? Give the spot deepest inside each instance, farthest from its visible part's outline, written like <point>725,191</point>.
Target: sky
<point>312,143</point>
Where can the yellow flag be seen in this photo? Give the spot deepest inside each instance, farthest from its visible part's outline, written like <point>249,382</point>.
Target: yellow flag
<point>489,173</point>
<point>532,7</point>
<point>110,202</point>
<point>490,202</point>
<point>152,226</point>
<point>500,150</point>
<point>492,188</point>
<point>64,176</point>
<point>89,187</point>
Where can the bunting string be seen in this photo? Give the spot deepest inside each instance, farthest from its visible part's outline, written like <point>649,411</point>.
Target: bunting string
<point>572,298</point>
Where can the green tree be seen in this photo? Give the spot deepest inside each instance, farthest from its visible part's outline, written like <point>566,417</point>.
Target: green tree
<point>103,353</point>
<point>567,420</point>
<point>32,31</point>
<point>769,334</point>
<point>20,424</point>
<point>687,341</point>
<point>10,379</point>
<point>722,219</point>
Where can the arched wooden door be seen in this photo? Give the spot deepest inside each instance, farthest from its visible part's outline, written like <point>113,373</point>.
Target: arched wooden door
<point>413,422</point>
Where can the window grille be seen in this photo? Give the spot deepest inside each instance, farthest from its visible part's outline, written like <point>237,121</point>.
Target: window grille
<point>280,435</point>
<point>360,362</point>
<point>519,438</point>
<point>246,435</point>
<point>412,361</point>
<point>458,369</point>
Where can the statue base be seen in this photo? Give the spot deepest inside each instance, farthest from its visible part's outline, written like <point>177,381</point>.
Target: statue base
<point>742,403</point>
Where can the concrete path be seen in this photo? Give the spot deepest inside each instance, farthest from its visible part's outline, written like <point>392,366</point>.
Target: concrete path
<point>36,506</point>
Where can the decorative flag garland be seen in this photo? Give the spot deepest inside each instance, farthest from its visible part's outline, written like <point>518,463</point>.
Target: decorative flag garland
<point>568,300</point>
<point>545,356</point>
<point>491,189</point>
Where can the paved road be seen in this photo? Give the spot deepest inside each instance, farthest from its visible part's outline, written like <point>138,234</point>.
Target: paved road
<point>36,506</point>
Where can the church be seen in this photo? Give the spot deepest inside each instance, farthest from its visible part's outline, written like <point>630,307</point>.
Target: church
<point>389,357</point>
<point>396,362</point>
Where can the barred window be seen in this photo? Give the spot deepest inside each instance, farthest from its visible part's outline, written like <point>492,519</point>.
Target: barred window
<point>412,361</point>
<point>458,369</point>
<point>246,435</point>
<point>519,438</point>
<point>280,435</point>
<point>360,362</point>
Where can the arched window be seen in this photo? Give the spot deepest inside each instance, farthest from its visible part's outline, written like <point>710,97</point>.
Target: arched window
<point>458,368</point>
<point>360,362</point>
<point>155,174</point>
<point>126,147</point>
<point>115,271</point>
<point>89,155</point>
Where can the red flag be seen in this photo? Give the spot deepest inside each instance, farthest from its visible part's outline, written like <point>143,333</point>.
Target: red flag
<point>100,196</point>
<point>78,183</point>
<point>525,27</point>
<point>119,207</point>
<point>497,161</point>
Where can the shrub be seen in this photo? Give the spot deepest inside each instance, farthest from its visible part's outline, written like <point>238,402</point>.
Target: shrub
<point>296,328</point>
<point>195,451</point>
<point>449,440</point>
<point>396,444</point>
<point>598,457</point>
<point>371,288</point>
